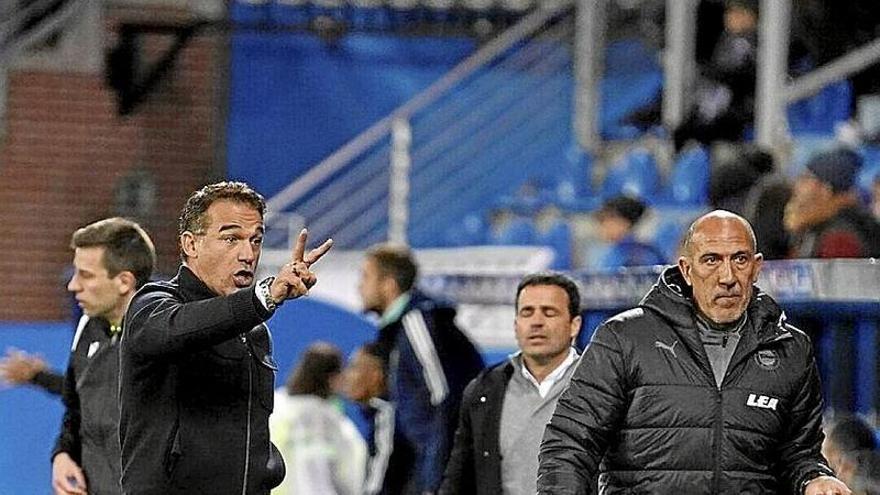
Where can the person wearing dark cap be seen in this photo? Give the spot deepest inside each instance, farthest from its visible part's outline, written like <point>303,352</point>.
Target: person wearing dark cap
<point>724,92</point>
<point>825,215</point>
<point>617,219</point>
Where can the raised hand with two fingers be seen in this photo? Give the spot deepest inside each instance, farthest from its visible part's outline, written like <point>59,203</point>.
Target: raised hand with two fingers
<point>295,277</point>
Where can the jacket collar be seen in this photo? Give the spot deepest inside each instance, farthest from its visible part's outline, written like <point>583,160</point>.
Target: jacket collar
<point>191,286</point>
<point>672,299</point>
<point>395,310</point>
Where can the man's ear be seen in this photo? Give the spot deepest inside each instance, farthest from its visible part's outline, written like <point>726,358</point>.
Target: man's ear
<point>759,263</point>
<point>127,282</point>
<point>575,327</point>
<point>684,265</point>
<point>390,288</point>
<point>188,244</point>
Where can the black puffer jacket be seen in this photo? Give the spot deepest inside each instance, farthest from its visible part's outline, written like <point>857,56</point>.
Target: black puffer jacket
<point>644,402</point>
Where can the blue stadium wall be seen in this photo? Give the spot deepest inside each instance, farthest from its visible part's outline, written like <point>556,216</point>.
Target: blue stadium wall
<point>295,99</point>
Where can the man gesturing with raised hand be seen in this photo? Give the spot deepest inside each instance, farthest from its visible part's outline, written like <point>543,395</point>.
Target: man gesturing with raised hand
<point>196,367</point>
<point>295,278</point>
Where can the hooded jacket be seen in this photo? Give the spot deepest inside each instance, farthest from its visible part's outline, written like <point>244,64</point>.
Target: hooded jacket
<point>430,362</point>
<point>196,390</point>
<point>644,414</point>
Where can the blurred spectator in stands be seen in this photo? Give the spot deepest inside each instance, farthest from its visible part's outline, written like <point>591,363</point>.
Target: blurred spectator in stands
<point>21,368</point>
<point>429,360</point>
<point>322,449</point>
<point>745,184</point>
<point>850,446</point>
<point>725,90</point>
<point>734,177</point>
<point>725,87</point>
<point>389,461</point>
<point>825,215</point>
<point>618,218</point>
<point>765,209</point>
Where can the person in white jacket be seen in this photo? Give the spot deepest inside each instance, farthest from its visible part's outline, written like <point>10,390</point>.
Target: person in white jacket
<point>322,449</point>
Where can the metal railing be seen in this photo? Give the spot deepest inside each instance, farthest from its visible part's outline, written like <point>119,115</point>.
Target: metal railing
<point>484,116</point>
<point>774,91</point>
<point>27,25</point>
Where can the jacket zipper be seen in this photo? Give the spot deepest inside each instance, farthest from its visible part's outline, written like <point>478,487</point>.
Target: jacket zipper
<point>247,447</point>
<point>719,432</point>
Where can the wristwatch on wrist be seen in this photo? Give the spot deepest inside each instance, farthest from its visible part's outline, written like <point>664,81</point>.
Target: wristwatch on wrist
<point>265,295</point>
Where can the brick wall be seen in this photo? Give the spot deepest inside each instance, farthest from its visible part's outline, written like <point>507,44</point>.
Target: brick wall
<point>65,151</point>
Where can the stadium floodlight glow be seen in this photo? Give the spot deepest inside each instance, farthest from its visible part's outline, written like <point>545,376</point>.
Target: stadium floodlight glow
<point>478,4</point>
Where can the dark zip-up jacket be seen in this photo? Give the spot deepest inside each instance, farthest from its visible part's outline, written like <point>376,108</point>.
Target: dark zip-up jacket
<point>430,362</point>
<point>474,466</point>
<point>475,463</point>
<point>645,403</point>
<point>196,391</point>
<point>91,415</point>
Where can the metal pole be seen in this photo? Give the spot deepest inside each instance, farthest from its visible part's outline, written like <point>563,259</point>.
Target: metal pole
<point>343,156</point>
<point>836,70</point>
<point>588,67</point>
<point>679,64</point>
<point>773,34</point>
<point>398,198</point>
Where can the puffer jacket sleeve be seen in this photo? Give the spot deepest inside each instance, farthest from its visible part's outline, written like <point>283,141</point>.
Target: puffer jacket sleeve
<point>587,415</point>
<point>800,453</point>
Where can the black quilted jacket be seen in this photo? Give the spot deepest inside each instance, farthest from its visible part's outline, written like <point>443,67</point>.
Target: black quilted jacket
<point>644,414</point>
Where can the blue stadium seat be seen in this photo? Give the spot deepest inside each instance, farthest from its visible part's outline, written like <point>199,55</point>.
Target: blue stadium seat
<point>633,78</point>
<point>283,13</point>
<point>471,232</point>
<point>520,231</point>
<point>559,237</point>
<point>249,12</point>
<point>667,238</point>
<point>635,174</point>
<point>688,182</point>
<point>820,113</point>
